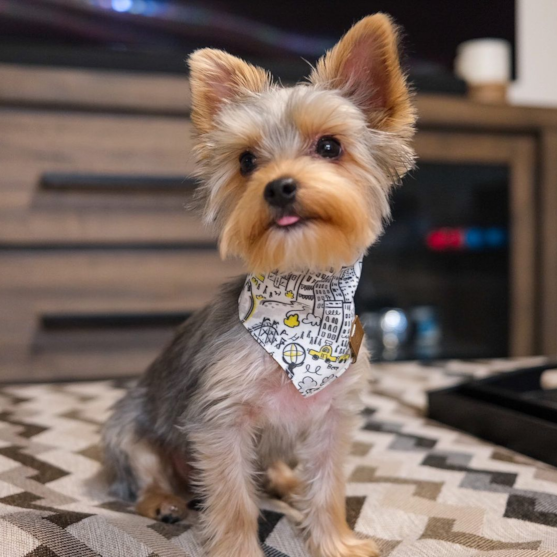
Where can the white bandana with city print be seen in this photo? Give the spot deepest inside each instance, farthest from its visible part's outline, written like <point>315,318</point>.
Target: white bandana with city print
<point>303,320</point>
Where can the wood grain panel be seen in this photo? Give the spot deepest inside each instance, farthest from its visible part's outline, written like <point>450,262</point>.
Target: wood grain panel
<point>454,148</point>
<point>38,284</point>
<point>524,333</point>
<point>35,144</point>
<point>114,281</point>
<point>518,152</point>
<point>109,226</point>
<point>82,356</point>
<point>94,89</point>
<point>166,94</point>
<point>446,111</point>
<point>549,242</point>
<point>35,141</point>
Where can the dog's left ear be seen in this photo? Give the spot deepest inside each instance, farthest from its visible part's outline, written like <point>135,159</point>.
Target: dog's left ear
<point>217,78</point>
<point>365,67</point>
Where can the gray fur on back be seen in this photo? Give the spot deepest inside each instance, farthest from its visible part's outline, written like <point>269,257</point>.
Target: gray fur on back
<point>159,403</point>
<point>173,378</point>
<point>211,372</point>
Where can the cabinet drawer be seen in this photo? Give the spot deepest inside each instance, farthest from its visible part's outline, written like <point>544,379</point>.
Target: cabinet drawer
<point>79,177</point>
<point>102,313</point>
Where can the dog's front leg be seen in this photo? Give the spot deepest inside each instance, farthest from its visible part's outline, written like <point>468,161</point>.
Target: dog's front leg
<point>225,462</point>
<point>321,494</point>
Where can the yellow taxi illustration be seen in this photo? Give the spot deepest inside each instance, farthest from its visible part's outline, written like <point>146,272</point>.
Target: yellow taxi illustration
<point>325,354</point>
<point>344,358</point>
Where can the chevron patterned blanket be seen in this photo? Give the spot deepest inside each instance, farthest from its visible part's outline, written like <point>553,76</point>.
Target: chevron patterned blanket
<point>417,488</point>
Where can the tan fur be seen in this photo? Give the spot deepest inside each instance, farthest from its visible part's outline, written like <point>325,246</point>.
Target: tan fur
<point>358,94</point>
<point>330,542</point>
<point>216,78</point>
<point>321,498</point>
<point>243,415</point>
<point>339,226</point>
<point>148,465</point>
<point>157,482</point>
<point>157,504</point>
<point>226,453</point>
<point>225,468</point>
<point>365,65</point>
<point>282,481</point>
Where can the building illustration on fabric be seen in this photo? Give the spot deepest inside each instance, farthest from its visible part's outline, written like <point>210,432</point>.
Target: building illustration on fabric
<point>303,320</point>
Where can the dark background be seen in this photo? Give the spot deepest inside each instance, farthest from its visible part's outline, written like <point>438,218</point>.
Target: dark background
<point>157,35</point>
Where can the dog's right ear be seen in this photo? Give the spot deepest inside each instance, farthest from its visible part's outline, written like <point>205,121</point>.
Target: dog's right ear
<point>217,78</point>
<point>364,66</point>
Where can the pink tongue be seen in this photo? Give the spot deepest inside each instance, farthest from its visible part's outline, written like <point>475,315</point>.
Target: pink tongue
<point>288,220</point>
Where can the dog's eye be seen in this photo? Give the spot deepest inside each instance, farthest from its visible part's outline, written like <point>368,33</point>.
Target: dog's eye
<point>328,147</point>
<point>247,162</point>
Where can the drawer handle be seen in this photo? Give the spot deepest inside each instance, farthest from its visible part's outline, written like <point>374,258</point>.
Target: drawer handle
<point>51,322</point>
<point>106,183</point>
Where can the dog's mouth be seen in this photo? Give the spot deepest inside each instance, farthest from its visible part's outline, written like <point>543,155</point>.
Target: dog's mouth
<point>287,220</point>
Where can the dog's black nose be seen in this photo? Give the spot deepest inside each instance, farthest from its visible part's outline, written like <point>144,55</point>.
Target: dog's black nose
<point>280,192</point>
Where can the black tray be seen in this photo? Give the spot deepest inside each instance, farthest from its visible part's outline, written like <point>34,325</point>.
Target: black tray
<point>510,409</point>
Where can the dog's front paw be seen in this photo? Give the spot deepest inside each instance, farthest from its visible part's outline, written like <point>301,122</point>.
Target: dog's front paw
<point>347,545</point>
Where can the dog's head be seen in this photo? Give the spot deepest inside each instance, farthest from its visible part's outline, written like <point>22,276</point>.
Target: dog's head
<point>298,177</point>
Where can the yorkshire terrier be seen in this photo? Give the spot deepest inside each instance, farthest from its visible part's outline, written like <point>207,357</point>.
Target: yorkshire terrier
<point>260,389</point>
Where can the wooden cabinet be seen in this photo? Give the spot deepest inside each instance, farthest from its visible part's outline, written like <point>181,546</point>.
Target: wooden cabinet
<point>88,311</point>
<point>527,139</point>
<point>100,257</point>
<point>100,253</point>
<point>75,177</point>
<point>518,152</point>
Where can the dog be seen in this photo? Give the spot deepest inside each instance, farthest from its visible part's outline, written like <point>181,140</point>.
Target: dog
<point>258,390</point>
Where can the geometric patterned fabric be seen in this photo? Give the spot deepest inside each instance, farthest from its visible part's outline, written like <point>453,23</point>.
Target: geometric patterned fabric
<point>416,487</point>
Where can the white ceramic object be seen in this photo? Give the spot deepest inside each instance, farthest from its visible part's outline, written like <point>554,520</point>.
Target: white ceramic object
<point>483,61</point>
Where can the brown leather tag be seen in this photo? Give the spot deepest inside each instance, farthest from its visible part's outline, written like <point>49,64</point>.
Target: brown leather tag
<point>356,337</point>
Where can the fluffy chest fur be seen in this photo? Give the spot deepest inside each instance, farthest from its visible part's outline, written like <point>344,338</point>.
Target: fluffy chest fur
<point>246,377</point>
<point>281,404</point>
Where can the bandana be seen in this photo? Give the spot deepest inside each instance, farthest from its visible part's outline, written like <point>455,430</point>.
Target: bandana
<point>304,321</point>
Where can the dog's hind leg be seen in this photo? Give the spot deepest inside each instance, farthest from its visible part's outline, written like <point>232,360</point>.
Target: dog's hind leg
<point>137,469</point>
<point>155,477</point>
<point>282,481</point>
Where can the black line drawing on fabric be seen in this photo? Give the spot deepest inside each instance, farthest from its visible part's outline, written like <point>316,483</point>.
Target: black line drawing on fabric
<point>328,379</point>
<point>316,372</point>
<point>251,308</point>
<point>293,355</point>
<point>305,318</point>
<point>293,305</point>
<point>311,319</point>
<point>307,385</point>
<point>266,331</point>
<point>254,299</point>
